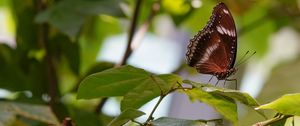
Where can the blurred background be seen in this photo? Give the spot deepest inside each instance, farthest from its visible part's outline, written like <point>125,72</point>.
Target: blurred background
<point>48,46</point>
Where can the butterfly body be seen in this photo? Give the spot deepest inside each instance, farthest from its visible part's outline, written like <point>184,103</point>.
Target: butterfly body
<point>213,49</point>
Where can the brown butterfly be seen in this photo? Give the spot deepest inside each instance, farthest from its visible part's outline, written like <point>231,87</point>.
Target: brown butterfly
<point>213,50</point>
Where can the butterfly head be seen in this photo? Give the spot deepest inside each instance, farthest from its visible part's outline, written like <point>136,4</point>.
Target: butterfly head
<point>226,74</point>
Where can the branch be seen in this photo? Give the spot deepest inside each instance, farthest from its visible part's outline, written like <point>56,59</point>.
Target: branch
<point>153,110</point>
<point>272,121</point>
<point>128,51</point>
<point>100,105</point>
<point>43,30</point>
<point>162,96</point>
<point>133,25</point>
<point>134,42</point>
<point>68,122</point>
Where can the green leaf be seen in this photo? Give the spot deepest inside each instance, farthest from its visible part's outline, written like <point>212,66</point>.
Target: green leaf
<point>35,112</point>
<point>164,121</point>
<point>172,80</point>
<point>69,15</point>
<point>126,116</point>
<point>112,82</point>
<point>287,104</point>
<point>242,97</point>
<point>152,87</point>
<point>130,82</point>
<point>224,105</point>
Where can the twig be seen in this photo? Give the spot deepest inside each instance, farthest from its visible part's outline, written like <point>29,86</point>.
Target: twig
<point>50,68</point>
<point>131,32</point>
<point>68,122</point>
<point>133,42</point>
<point>100,105</point>
<point>272,121</point>
<point>153,110</point>
<point>159,101</point>
<point>128,48</point>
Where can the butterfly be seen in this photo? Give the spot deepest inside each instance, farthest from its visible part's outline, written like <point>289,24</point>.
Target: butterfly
<point>213,49</point>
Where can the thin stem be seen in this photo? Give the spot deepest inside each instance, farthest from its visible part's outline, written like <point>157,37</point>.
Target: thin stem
<point>155,107</point>
<point>272,121</point>
<point>160,99</point>
<point>101,105</point>
<point>68,122</point>
<point>133,25</point>
<point>133,42</point>
<point>50,69</point>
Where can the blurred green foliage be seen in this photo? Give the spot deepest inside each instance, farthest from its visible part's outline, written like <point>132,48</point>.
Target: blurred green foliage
<point>57,44</point>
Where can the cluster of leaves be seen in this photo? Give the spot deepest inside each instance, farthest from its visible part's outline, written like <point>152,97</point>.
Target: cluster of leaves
<point>129,82</point>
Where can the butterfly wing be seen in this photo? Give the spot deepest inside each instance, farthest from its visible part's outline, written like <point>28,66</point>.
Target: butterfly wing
<point>213,49</point>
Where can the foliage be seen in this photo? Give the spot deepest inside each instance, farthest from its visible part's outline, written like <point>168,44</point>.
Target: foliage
<point>55,59</point>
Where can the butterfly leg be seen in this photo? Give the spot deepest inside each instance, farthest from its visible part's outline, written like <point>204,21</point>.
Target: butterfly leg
<point>224,83</point>
<point>210,79</point>
<point>217,83</point>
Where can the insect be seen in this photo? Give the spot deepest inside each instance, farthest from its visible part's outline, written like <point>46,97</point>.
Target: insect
<point>213,49</point>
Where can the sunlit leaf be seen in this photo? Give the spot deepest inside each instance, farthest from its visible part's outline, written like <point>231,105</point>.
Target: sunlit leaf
<point>130,82</point>
<point>112,82</point>
<point>242,97</point>
<point>126,116</point>
<point>287,104</point>
<point>177,7</point>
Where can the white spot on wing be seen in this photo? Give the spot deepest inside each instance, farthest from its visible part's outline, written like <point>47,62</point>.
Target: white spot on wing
<point>225,30</point>
<point>220,30</point>
<point>208,52</point>
<point>225,11</point>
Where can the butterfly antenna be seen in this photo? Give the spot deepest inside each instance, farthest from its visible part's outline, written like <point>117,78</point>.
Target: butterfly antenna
<point>241,62</point>
<point>241,59</point>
